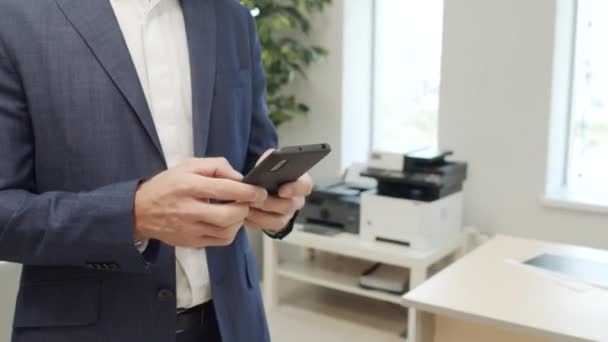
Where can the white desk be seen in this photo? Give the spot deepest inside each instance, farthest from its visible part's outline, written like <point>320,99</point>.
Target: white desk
<point>503,297</point>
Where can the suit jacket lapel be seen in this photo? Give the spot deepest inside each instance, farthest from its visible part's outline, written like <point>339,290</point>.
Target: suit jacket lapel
<point>97,24</point>
<point>200,19</point>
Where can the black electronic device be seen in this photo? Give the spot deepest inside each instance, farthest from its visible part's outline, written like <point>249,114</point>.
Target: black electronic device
<point>286,165</point>
<point>426,176</point>
<point>333,205</point>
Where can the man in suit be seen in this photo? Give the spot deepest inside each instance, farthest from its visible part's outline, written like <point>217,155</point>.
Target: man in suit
<point>121,123</point>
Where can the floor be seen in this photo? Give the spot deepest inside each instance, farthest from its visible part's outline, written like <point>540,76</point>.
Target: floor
<point>307,313</point>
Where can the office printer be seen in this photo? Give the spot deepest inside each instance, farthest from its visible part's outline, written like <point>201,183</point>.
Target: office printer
<point>418,201</point>
<point>334,205</point>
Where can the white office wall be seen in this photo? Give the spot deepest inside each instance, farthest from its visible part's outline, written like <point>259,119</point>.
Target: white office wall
<point>337,91</point>
<point>322,91</point>
<point>495,108</point>
<point>338,88</point>
<point>9,278</point>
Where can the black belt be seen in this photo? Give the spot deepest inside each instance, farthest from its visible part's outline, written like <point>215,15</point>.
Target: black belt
<point>194,317</point>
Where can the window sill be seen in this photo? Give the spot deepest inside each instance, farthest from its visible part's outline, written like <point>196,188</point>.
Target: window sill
<point>586,200</point>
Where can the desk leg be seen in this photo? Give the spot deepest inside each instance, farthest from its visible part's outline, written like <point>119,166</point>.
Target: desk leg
<point>425,327</point>
<point>271,263</point>
<point>420,324</point>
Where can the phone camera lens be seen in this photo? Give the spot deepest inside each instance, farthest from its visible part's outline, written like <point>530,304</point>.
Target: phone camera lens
<point>278,166</point>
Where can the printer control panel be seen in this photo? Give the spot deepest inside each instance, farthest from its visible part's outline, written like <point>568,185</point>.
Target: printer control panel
<point>430,178</point>
<point>420,179</point>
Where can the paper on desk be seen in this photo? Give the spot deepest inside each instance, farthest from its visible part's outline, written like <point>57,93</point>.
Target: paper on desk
<point>561,279</point>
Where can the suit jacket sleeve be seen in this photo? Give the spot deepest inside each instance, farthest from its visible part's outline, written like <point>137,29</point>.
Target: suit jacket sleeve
<point>263,132</point>
<point>90,229</point>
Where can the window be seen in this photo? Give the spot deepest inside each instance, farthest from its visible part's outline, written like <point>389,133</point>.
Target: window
<point>577,172</point>
<point>407,66</point>
<point>588,144</point>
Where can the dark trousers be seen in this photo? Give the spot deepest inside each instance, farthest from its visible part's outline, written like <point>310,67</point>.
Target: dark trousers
<point>208,331</point>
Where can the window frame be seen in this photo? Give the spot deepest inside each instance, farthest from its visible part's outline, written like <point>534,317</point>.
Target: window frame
<point>559,190</point>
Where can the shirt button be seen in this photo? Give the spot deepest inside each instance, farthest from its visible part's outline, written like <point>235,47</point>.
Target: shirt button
<point>165,295</point>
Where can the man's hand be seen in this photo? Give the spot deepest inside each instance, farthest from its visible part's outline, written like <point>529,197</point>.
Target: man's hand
<point>275,212</point>
<point>174,207</point>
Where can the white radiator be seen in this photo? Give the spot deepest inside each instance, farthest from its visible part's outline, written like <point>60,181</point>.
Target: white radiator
<point>9,279</point>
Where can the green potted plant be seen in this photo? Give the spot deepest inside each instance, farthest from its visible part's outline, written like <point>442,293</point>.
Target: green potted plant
<point>283,26</point>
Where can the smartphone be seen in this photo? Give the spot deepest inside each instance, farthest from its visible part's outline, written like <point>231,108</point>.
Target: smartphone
<point>286,165</point>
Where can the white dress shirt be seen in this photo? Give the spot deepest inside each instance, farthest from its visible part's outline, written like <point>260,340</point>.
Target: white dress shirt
<point>155,33</point>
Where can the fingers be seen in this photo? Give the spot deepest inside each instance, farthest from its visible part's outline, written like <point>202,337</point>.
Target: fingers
<point>301,187</point>
<point>259,219</point>
<point>281,205</point>
<point>213,167</point>
<point>226,190</point>
<point>219,181</point>
<point>218,236</point>
<point>225,234</point>
<point>218,215</point>
<point>204,234</point>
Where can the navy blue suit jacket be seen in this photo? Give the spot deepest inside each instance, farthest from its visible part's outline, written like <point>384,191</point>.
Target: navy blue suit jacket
<point>76,138</point>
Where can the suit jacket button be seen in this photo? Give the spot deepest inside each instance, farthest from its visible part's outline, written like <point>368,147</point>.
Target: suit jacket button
<point>165,295</point>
